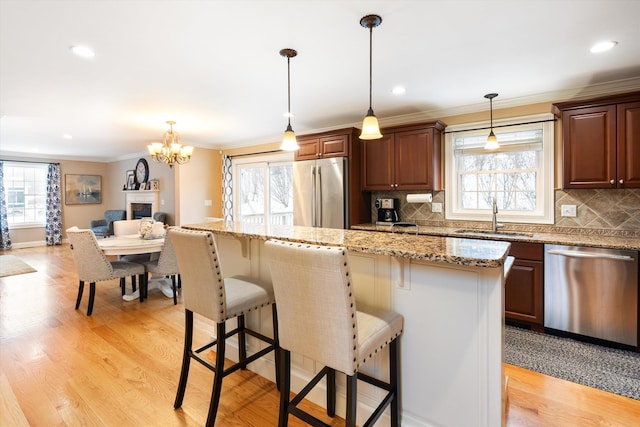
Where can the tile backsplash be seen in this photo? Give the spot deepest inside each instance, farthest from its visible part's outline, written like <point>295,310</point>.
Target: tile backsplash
<point>603,210</point>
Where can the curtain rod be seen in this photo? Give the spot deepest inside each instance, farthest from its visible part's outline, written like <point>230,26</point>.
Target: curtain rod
<point>255,154</point>
<point>28,161</point>
<point>502,126</point>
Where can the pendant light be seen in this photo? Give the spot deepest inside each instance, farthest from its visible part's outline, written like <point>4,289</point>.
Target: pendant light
<point>289,142</point>
<point>370,126</point>
<point>492,141</point>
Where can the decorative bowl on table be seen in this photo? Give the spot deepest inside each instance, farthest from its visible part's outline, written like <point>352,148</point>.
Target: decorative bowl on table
<point>151,229</point>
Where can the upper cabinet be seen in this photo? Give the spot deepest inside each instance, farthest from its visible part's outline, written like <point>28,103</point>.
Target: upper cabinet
<point>601,142</point>
<point>405,158</point>
<point>323,146</point>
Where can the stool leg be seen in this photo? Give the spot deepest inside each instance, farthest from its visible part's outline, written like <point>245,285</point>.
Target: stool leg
<point>122,285</point>
<point>331,392</point>
<point>242,343</point>
<point>80,290</point>
<point>352,401</point>
<point>285,387</point>
<point>186,358</point>
<point>394,360</point>
<point>218,375</point>
<point>276,340</point>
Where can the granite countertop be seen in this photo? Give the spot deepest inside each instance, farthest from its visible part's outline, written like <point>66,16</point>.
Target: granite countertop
<point>450,250</point>
<point>583,237</point>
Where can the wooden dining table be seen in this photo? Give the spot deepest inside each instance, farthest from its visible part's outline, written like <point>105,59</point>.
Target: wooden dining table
<point>133,244</point>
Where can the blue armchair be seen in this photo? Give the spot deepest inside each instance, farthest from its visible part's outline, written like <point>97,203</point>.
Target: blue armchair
<point>160,217</point>
<point>104,227</point>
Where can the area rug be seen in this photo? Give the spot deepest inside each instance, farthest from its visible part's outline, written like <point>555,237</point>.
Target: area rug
<point>608,369</point>
<point>11,265</point>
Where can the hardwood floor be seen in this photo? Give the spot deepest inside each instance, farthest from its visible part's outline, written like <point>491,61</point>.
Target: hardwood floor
<point>120,366</point>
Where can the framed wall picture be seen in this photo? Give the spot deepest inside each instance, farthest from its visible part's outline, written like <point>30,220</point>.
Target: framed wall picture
<point>155,184</point>
<point>131,180</point>
<point>82,189</point>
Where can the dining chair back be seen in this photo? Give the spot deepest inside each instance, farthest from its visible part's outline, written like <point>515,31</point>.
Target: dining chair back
<point>318,319</point>
<point>206,292</point>
<point>165,265</point>
<point>126,227</point>
<point>93,266</point>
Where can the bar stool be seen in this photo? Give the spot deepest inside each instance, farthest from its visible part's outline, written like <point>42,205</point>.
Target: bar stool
<point>318,319</point>
<point>206,292</point>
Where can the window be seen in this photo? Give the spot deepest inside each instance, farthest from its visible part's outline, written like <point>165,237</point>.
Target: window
<point>25,186</point>
<point>263,189</point>
<point>519,175</point>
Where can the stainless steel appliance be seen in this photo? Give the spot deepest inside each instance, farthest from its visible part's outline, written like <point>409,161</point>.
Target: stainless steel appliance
<point>592,292</point>
<point>387,210</point>
<point>320,193</point>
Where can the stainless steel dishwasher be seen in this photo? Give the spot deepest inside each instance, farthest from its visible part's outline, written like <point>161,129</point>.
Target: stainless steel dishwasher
<point>592,292</point>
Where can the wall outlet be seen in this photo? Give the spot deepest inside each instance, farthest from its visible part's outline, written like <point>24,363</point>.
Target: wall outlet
<point>568,210</point>
<point>208,203</point>
<point>436,207</point>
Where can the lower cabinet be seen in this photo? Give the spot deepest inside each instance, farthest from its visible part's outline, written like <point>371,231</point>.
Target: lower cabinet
<point>523,293</point>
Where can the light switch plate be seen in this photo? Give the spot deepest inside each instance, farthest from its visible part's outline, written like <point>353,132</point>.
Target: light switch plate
<point>208,203</point>
<point>436,207</point>
<point>568,210</point>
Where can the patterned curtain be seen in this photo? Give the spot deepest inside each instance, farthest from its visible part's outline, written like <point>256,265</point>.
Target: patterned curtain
<point>227,193</point>
<point>53,227</point>
<point>5,240</point>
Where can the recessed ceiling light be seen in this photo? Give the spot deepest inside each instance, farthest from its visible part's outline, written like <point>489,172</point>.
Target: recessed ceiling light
<point>83,51</point>
<point>398,90</point>
<point>602,46</point>
<point>67,136</point>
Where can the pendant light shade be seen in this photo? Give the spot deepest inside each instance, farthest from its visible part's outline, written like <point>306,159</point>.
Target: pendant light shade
<point>492,141</point>
<point>370,126</point>
<point>289,141</point>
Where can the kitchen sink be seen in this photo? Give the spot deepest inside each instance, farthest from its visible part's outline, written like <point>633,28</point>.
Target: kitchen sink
<point>495,234</point>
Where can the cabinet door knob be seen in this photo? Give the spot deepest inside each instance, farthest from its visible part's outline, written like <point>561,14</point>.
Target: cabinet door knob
<point>612,182</point>
<point>621,181</point>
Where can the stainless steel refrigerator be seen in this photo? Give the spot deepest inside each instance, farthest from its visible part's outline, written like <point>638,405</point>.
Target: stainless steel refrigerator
<point>320,193</point>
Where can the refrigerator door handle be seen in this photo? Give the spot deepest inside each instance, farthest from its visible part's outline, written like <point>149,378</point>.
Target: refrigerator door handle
<point>313,197</point>
<point>319,196</point>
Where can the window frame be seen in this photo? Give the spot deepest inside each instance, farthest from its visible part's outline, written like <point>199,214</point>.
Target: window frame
<point>544,214</point>
<point>25,165</point>
<point>258,160</point>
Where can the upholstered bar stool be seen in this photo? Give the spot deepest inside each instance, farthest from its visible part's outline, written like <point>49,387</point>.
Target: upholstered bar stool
<point>206,292</point>
<point>318,319</point>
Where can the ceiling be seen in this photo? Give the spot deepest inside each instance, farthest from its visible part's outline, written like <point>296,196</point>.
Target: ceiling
<point>214,66</point>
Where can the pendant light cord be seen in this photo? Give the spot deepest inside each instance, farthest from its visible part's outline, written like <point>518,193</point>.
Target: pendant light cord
<point>288,91</point>
<point>370,64</point>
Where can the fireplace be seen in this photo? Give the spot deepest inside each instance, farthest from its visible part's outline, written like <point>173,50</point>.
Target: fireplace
<point>141,203</point>
<point>140,210</point>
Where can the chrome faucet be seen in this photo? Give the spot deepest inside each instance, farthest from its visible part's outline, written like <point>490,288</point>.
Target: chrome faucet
<point>494,222</point>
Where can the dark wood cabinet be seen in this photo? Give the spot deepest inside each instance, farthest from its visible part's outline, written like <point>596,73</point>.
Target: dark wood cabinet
<point>405,158</point>
<point>319,147</point>
<point>601,142</point>
<point>524,287</point>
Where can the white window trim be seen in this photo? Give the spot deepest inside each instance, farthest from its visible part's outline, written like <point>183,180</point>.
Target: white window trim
<point>261,159</point>
<point>35,165</point>
<point>544,215</point>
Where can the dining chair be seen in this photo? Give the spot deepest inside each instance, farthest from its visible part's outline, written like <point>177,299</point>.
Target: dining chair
<point>93,266</point>
<point>128,227</point>
<point>206,292</point>
<point>318,319</point>
<point>165,265</point>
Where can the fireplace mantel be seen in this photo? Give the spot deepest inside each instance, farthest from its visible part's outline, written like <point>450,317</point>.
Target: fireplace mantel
<point>141,196</point>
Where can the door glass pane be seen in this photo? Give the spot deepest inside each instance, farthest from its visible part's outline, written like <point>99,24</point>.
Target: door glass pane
<point>252,206</point>
<point>281,194</point>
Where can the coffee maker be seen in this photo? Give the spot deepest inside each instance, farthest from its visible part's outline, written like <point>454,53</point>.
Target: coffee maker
<point>387,210</point>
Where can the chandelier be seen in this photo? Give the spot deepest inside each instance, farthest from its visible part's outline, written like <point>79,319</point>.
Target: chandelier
<point>170,150</point>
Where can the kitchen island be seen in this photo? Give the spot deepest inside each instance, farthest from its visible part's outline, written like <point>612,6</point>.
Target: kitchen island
<point>450,292</point>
